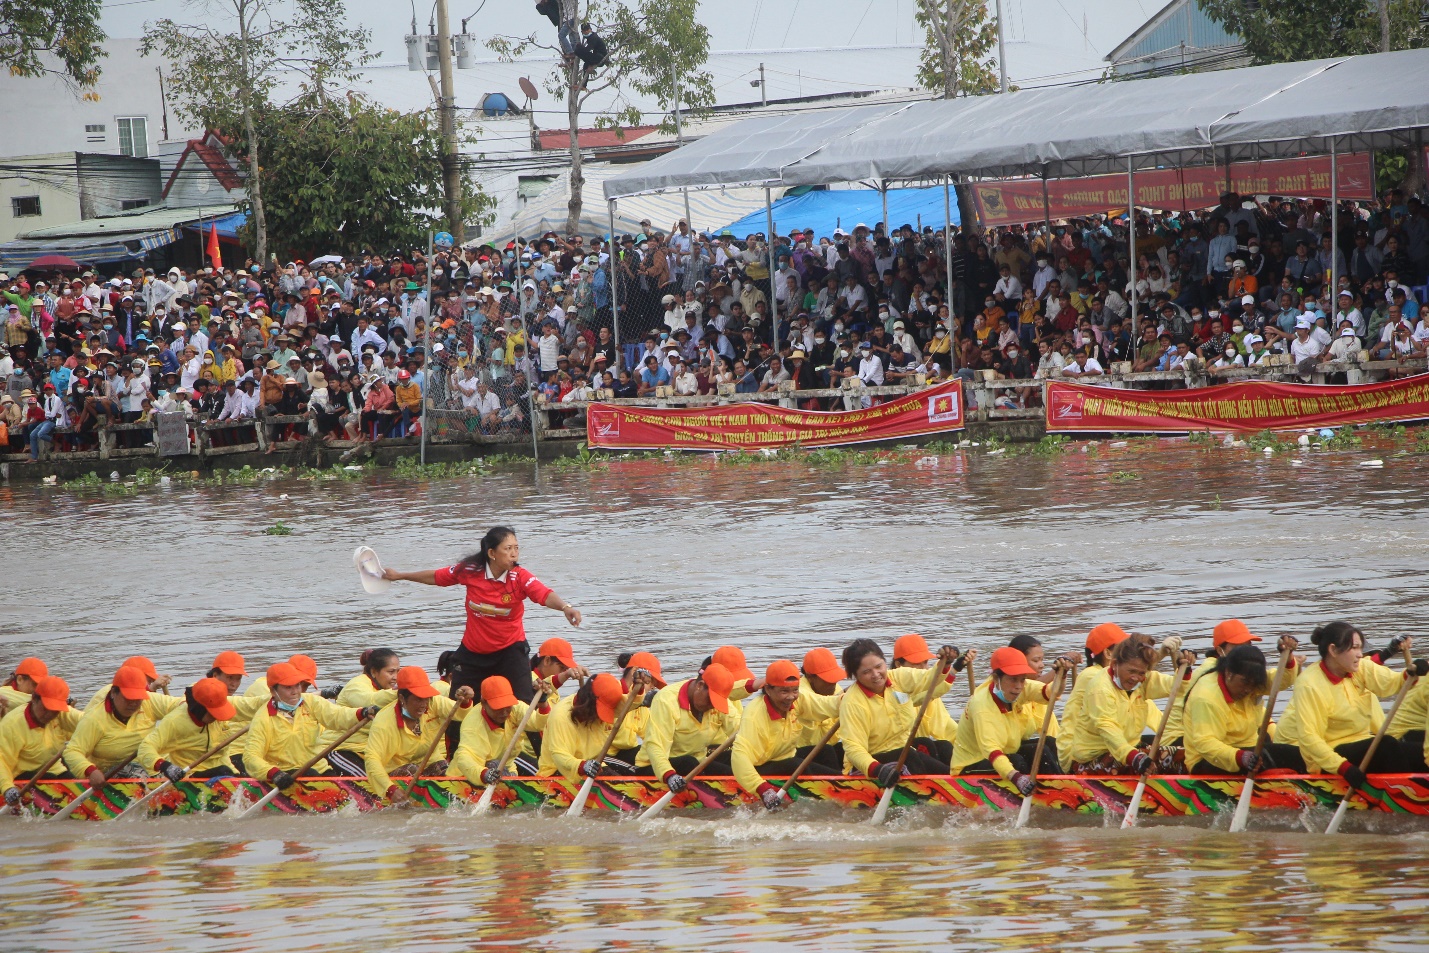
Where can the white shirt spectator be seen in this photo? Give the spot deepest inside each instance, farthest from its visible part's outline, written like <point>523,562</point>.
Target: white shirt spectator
<point>239,406</point>
<point>1081,369</point>
<point>870,370</point>
<point>1306,349</point>
<point>1009,287</point>
<point>369,336</point>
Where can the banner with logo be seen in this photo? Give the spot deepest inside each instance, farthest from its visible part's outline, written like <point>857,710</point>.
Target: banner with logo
<point>753,426</point>
<point>1020,200</point>
<point>1246,406</point>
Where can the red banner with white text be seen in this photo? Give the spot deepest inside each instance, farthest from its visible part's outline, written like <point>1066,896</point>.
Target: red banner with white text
<point>1246,406</point>
<point>1020,200</point>
<point>755,426</point>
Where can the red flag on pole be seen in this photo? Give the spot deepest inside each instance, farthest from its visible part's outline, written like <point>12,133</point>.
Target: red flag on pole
<point>215,257</point>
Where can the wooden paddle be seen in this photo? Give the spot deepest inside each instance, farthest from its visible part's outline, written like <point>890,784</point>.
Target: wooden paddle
<point>1025,812</point>
<point>87,793</point>
<point>1129,818</point>
<point>1242,807</point>
<point>483,804</point>
<point>30,784</point>
<point>187,771</point>
<point>578,804</point>
<point>426,758</point>
<point>881,812</point>
<point>1409,681</point>
<point>654,809</point>
<point>305,768</point>
<point>808,760</point>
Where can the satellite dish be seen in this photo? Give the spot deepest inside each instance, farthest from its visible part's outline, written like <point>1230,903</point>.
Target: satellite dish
<point>529,88</point>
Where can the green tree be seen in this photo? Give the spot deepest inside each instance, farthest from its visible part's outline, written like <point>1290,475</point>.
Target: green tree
<point>1285,31</point>
<point>957,55</point>
<point>658,48</point>
<point>225,70</point>
<point>68,30</point>
<point>344,175</point>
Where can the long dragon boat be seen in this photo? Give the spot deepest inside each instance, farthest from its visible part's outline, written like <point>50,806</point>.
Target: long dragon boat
<point>1165,796</point>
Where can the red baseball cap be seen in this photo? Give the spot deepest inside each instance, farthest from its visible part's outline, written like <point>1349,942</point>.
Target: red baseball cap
<point>608,695</point>
<point>32,668</point>
<point>911,648</point>
<point>213,695</point>
<point>560,650</point>
<point>496,692</point>
<point>53,692</point>
<point>142,664</point>
<point>229,663</point>
<point>781,674</point>
<point>733,660</point>
<point>821,662</point>
<point>651,664</point>
<point>1104,637</point>
<point>1233,632</point>
<point>1010,661</point>
<point>413,678</point>
<point>132,683</point>
<point>719,680</point>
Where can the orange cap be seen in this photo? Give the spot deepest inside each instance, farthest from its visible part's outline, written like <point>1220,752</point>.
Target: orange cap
<point>142,664</point>
<point>33,668</point>
<point>782,674</point>
<point>1233,632</point>
<point>821,662</point>
<point>651,664</point>
<point>230,663</point>
<point>911,648</point>
<point>306,667</point>
<point>413,678</point>
<point>1010,661</point>
<point>132,683</point>
<point>560,650</point>
<point>608,695</point>
<point>54,692</point>
<point>1104,637</point>
<point>284,673</point>
<point>213,695</point>
<point>496,692</point>
<point>719,680</point>
<point>733,660</point>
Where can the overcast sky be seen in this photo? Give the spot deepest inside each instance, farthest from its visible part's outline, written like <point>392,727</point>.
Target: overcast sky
<point>1048,40</point>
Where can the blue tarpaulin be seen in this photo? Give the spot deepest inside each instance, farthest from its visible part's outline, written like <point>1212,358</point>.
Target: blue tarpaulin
<point>845,208</point>
<point>228,225</point>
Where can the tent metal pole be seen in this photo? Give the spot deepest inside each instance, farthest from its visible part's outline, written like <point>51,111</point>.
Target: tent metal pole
<point>1334,295</point>
<point>1047,214</point>
<point>883,191</point>
<point>773,294</point>
<point>948,280</point>
<point>427,350</point>
<point>614,300</point>
<point>1131,242</point>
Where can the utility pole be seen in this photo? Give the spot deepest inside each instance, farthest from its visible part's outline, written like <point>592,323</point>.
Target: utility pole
<point>451,171</point>
<point>1001,49</point>
<point>763,89</point>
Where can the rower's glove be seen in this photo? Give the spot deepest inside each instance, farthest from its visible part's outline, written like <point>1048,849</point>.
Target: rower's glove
<point>1420,667</point>
<point>1392,649</point>
<point>675,783</point>
<point>491,775</point>
<point>773,799</point>
<point>170,771</point>
<point>591,768</point>
<point>1247,761</point>
<point>1352,774</point>
<point>283,780</point>
<point>12,797</point>
<point>437,769</point>
<point>369,713</point>
<point>888,774</point>
<point>1024,783</point>
<point>1139,762</point>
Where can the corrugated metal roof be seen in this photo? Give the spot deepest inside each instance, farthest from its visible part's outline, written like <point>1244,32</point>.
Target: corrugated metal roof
<point>131,223</point>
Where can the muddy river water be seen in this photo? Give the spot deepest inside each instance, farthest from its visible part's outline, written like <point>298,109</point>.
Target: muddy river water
<point>777,557</point>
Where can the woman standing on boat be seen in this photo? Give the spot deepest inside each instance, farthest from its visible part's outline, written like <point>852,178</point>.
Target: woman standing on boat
<point>497,587</point>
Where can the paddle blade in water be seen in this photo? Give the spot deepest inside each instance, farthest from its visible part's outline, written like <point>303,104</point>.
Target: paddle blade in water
<point>1129,818</point>
<point>1242,807</point>
<point>658,806</point>
<point>1339,817</point>
<point>1024,813</point>
<point>881,812</point>
<point>483,803</point>
<point>578,804</point>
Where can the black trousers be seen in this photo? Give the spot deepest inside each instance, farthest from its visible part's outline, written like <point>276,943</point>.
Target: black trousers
<point>1391,757</point>
<point>926,756</point>
<point>1022,759</point>
<point>1281,756</point>
<point>819,767</point>
<point>472,668</point>
<point>685,763</point>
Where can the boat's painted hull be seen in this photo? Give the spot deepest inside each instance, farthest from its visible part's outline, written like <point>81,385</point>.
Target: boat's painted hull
<point>1166,796</point>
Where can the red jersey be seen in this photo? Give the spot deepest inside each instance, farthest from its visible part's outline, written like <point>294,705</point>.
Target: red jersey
<point>494,607</point>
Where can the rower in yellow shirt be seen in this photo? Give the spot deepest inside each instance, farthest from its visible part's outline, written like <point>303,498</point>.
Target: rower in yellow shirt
<point>687,719</point>
<point>303,663</point>
<point>377,685</point>
<point>229,668</point>
<point>877,712</point>
<point>1103,736</point>
<point>997,734</point>
<point>486,734</point>
<point>207,718</point>
<point>18,688</point>
<point>401,734</point>
<point>284,734</point>
<point>32,733</point>
<point>156,682</point>
<point>911,651</point>
<point>108,735</point>
<point>822,674</point>
<point>1335,709</point>
<point>578,726</point>
<point>732,658</point>
<point>1101,638</point>
<point>1226,636</point>
<point>1223,712</point>
<point>632,730</point>
<point>777,730</point>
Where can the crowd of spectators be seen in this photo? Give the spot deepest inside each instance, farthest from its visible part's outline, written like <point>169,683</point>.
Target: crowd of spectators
<point>527,327</point>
